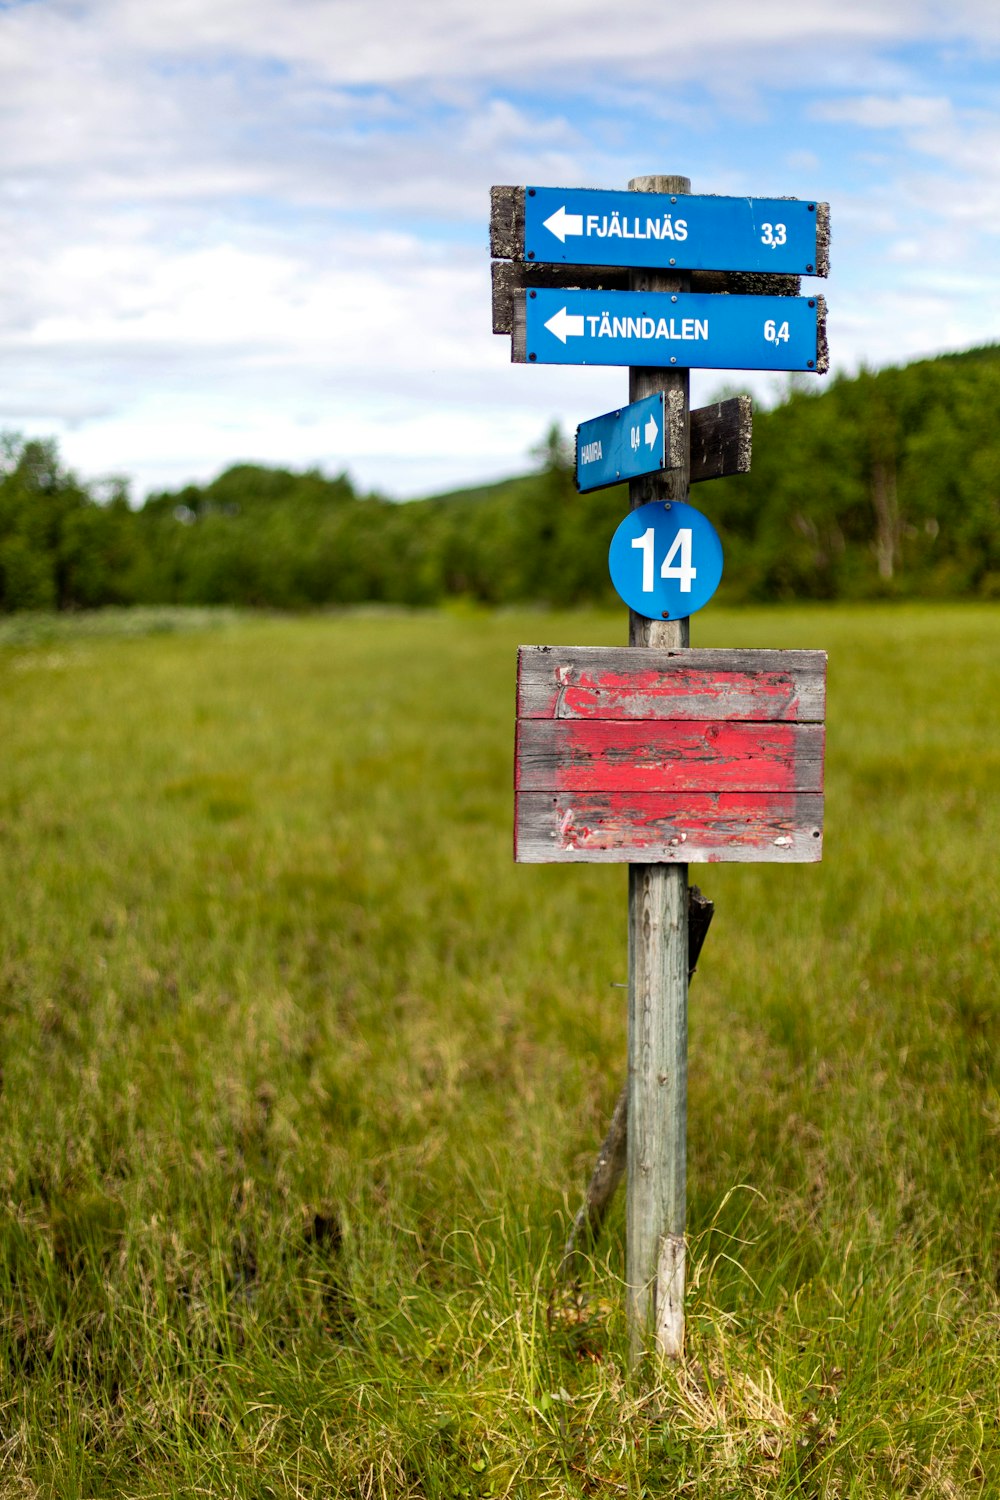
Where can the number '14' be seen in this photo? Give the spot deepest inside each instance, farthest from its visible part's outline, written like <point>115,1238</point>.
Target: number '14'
<point>675,566</point>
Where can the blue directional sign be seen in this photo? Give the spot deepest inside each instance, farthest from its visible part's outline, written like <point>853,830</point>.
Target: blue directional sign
<point>696,330</point>
<point>622,444</point>
<point>587,227</point>
<point>665,560</point>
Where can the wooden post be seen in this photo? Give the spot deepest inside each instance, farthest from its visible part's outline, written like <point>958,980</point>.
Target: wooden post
<point>612,1159</point>
<point>658,948</point>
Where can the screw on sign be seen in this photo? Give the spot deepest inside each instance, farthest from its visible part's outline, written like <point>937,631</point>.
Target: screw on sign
<point>621,444</point>
<point>634,440</point>
<point>663,756</point>
<point>584,226</point>
<point>694,330</point>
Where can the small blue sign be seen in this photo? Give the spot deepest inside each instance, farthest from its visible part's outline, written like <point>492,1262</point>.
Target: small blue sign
<point>622,444</point>
<point>588,227</point>
<point>693,330</point>
<point>665,560</point>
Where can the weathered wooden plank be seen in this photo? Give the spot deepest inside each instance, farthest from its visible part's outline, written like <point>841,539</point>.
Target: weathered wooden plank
<point>721,439</point>
<point>822,341</point>
<point>822,239</point>
<point>668,828</point>
<point>610,682</point>
<point>519,333</point>
<point>511,279</point>
<point>668,755</point>
<point>507,222</point>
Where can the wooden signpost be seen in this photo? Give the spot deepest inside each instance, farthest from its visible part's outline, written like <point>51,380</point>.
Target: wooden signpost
<point>664,756</point>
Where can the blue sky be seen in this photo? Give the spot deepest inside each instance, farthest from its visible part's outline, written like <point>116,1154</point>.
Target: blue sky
<point>236,230</point>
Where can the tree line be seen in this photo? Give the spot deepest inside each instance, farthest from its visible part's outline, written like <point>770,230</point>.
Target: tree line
<point>886,484</point>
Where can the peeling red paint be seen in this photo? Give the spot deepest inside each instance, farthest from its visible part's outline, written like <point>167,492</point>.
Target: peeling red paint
<point>705,819</point>
<point>639,695</point>
<point>680,827</point>
<point>676,762</point>
<point>668,755</point>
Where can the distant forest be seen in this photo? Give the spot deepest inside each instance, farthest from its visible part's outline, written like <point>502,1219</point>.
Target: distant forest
<point>885,485</point>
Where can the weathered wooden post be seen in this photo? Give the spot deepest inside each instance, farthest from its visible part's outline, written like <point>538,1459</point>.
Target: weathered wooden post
<point>656,1185</point>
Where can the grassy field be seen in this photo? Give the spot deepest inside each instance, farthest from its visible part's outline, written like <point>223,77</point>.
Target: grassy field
<point>303,1078</point>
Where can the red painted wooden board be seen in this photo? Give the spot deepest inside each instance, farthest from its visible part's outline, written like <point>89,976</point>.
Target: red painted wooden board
<point>664,828</point>
<point>609,682</point>
<point>627,755</point>
<point>672,755</point>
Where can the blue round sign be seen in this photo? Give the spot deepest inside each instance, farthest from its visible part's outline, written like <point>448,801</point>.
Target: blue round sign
<point>665,560</point>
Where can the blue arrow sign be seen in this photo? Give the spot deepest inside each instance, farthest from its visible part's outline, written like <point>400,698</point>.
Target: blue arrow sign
<point>665,560</point>
<point>622,444</point>
<point>694,330</point>
<point>588,227</point>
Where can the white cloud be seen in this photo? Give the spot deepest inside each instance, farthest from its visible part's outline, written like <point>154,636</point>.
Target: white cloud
<point>875,112</point>
<point>230,229</point>
<point>380,43</point>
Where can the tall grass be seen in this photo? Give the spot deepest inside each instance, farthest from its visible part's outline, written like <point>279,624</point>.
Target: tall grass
<point>302,1079</point>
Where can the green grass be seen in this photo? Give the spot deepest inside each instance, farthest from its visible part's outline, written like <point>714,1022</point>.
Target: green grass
<point>303,1078</point>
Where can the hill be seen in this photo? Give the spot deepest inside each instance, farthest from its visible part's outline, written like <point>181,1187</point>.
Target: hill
<point>884,484</point>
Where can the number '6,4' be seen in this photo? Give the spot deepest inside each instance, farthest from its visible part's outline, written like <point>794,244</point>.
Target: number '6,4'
<point>676,565</point>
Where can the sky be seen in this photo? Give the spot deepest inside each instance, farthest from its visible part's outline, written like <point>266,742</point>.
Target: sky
<point>250,231</point>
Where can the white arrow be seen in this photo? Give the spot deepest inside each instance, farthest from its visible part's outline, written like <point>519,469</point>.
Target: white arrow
<point>652,431</point>
<point>565,324</point>
<point>561,223</point>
